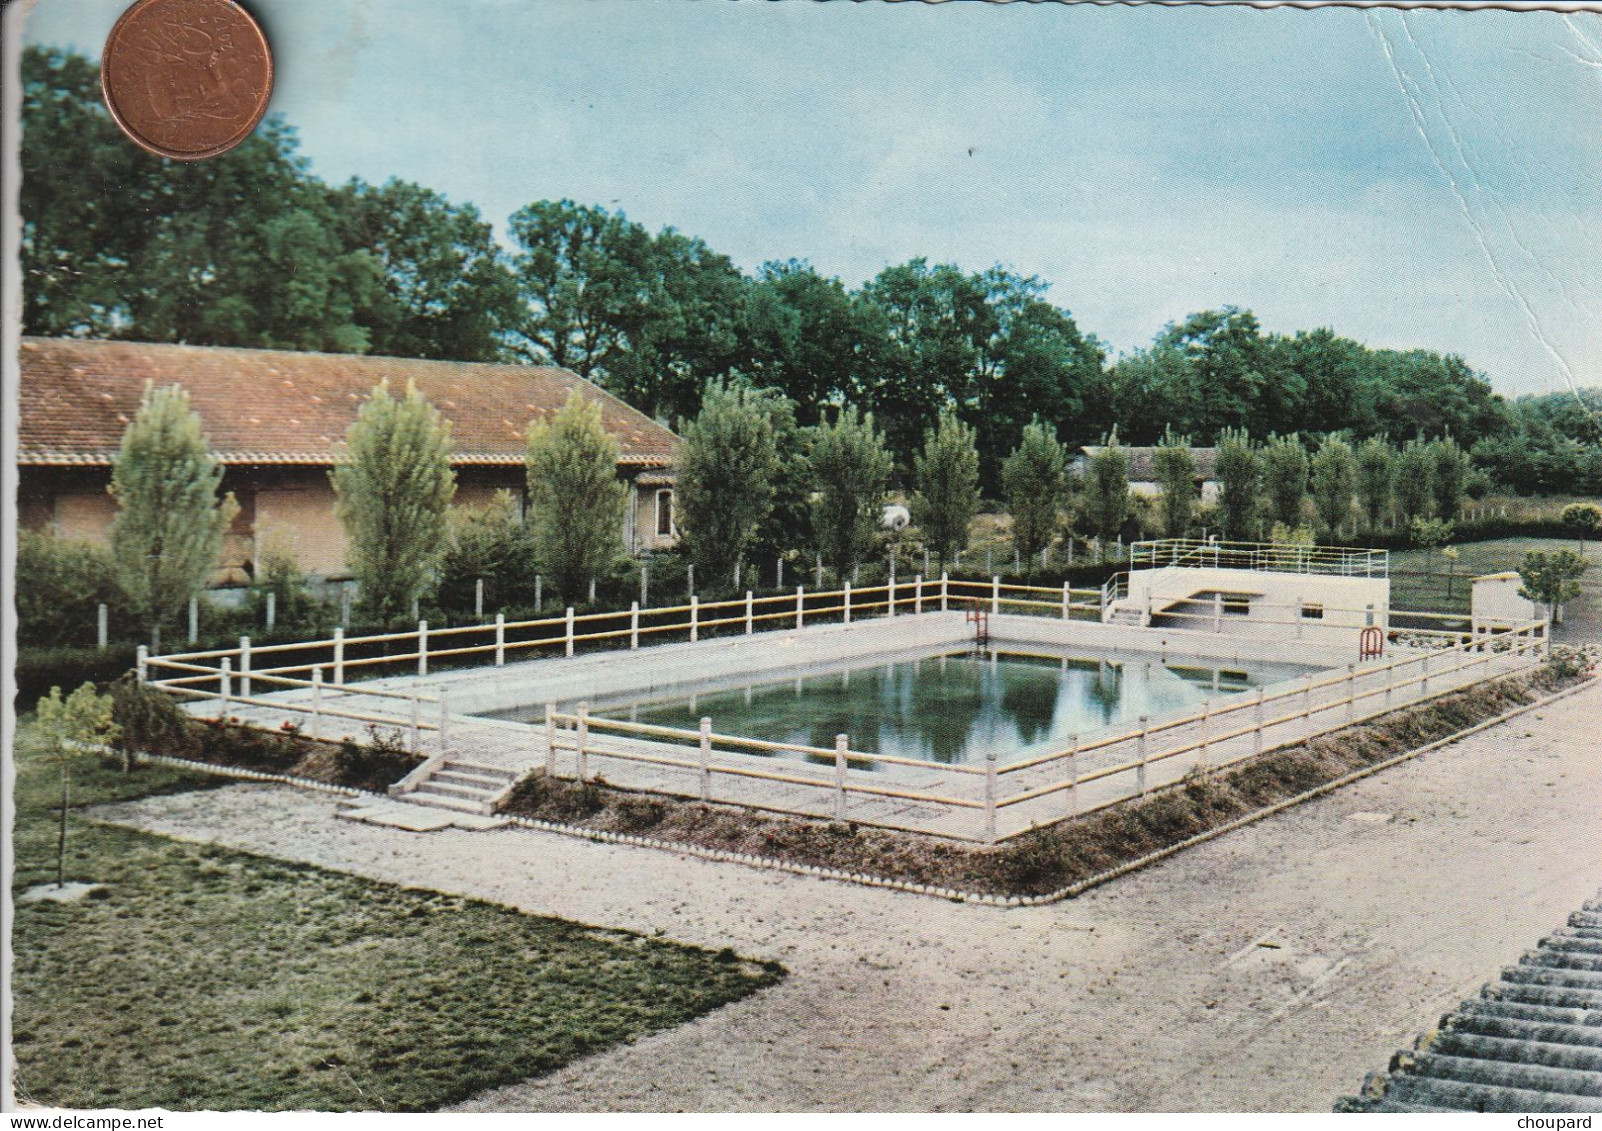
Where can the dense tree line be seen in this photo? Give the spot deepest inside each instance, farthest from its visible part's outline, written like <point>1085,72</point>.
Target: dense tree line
<point>251,249</point>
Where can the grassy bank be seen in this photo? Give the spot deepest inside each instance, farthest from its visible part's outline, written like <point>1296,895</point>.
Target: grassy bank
<point>199,977</point>
<point>1048,859</point>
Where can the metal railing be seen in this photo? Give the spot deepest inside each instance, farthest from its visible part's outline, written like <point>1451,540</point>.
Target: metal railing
<point>1338,561</point>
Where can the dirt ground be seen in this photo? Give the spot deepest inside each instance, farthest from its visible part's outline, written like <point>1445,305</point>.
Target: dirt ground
<point>1265,971</point>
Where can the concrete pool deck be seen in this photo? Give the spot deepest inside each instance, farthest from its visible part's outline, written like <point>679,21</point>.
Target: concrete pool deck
<point>1267,970</point>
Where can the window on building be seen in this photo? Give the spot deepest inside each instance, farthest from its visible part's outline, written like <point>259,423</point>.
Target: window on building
<point>1312,612</point>
<point>664,514</point>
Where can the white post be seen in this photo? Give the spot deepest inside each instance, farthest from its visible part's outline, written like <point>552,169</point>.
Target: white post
<point>890,595</point>
<point>444,716</point>
<point>1257,718</point>
<point>102,627</point>
<point>1104,602</point>
<point>645,583</point>
<point>225,682</point>
<point>1206,729</point>
<point>1140,770</point>
<point>422,647</point>
<point>500,640</point>
<point>995,595</point>
<point>738,570</point>
<point>244,667</point>
<point>317,703</point>
<point>847,591</point>
<point>990,796</point>
<point>689,581</point>
<point>750,617</point>
<point>800,605</point>
<point>634,625</point>
<point>478,599</point>
<point>917,594</point>
<point>272,612</point>
<point>344,605</point>
<point>1070,541</point>
<point>817,579</point>
<point>1218,612</point>
<point>706,759</point>
<point>778,582</point>
<point>1066,600</point>
<point>592,591</point>
<point>695,618</point>
<point>417,712</point>
<point>1307,704</point>
<point>581,740</point>
<point>339,657</point>
<point>1351,692</point>
<point>142,662</point>
<point>539,593</point>
<point>840,747</point>
<point>1297,614</point>
<point>569,637</point>
<point>1073,773</point>
<point>945,585</point>
<point>550,740</point>
<point>194,616</point>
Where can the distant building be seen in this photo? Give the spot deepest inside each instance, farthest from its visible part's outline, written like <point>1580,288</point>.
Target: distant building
<point>1143,470</point>
<point>276,420</point>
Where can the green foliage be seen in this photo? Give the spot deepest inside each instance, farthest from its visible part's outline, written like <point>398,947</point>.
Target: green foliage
<point>1449,477</point>
<point>1584,519</point>
<point>1335,479</point>
<point>725,485</point>
<point>1552,578</point>
<point>278,572</point>
<point>60,584</point>
<point>1285,478</point>
<point>1415,481</point>
<point>170,524</point>
<point>394,485</point>
<point>1239,470</point>
<point>1376,479</point>
<point>1301,537</point>
<point>376,764</point>
<point>1106,488</point>
<point>1035,479</point>
<point>151,721</point>
<point>491,542</point>
<point>1427,534</point>
<point>947,496</point>
<point>1176,475</point>
<point>576,501</point>
<point>850,472</point>
<point>64,725</point>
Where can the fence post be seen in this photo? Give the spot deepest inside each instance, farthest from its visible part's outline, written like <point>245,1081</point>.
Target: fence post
<point>1307,703</point>
<point>478,599</point>
<point>102,627</point>
<point>1073,774</point>
<point>500,640</point>
<point>339,657</point>
<point>995,595</point>
<point>1424,683</point>
<point>1104,602</point>
<point>634,625</point>
<point>244,667</point>
<point>422,647</point>
<point>444,715</point>
<point>1206,729</point>
<point>142,662</point>
<point>1066,600</point>
<point>1218,612</point>
<point>417,711</point>
<point>539,593</point>
<point>917,594</point>
<point>945,585</point>
<point>706,759</point>
<point>800,605</point>
<point>344,605</point>
<point>550,740</point>
<point>890,595</point>
<point>817,577</point>
<point>1351,692</point>
<point>840,746</point>
<point>778,582</point>
<point>749,613</point>
<point>317,703</point>
<point>194,616</point>
<point>569,620</point>
<point>272,612</point>
<point>689,581</point>
<point>695,618</point>
<point>592,592</point>
<point>847,590</point>
<point>1257,718</point>
<point>990,796</point>
<point>1141,749</point>
<point>581,740</point>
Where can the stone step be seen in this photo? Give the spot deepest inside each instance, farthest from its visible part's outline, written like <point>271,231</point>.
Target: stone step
<point>484,768</point>
<point>1462,1095</point>
<point>1572,944</point>
<point>1568,1082</point>
<point>464,780</point>
<point>1511,1050</point>
<point>1545,991</point>
<point>434,787</point>
<point>1523,1029</point>
<point>1571,962</point>
<point>1549,974</point>
<point>1538,1012</point>
<point>424,796</point>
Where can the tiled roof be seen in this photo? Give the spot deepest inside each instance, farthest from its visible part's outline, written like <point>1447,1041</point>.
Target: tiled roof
<point>1531,1042</point>
<point>1143,469</point>
<point>279,407</point>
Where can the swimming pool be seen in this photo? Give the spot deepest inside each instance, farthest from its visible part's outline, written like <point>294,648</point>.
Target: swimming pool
<point>950,707</point>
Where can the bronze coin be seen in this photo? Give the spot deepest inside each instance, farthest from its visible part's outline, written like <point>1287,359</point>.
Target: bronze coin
<point>186,79</point>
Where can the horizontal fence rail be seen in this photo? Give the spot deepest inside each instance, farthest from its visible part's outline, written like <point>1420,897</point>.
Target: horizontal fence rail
<point>1278,557</point>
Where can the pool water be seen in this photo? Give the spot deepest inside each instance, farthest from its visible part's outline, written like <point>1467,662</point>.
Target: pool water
<point>951,707</point>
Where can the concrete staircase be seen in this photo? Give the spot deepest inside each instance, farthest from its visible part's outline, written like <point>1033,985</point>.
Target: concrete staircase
<point>455,783</point>
<point>1127,613</point>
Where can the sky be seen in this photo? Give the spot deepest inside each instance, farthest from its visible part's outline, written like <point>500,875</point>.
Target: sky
<point>1411,179</point>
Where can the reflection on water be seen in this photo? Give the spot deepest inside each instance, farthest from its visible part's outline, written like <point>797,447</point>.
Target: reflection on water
<point>954,707</point>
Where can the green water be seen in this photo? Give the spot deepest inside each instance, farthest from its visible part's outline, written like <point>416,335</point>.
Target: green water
<point>952,707</point>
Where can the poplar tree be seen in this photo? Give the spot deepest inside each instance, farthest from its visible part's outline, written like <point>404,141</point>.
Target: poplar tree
<point>1285,478</point>
<point>1415,481</point>
<point>1239,476</point>
<point>1334,483</point>
<point>170,524</point>
<point>576,500</point>
<point>1376,476</point>
<point>850,471</point>
<point>725,485</point>
<point>393,485</point>
<point>1449,465</point>
<point>1035,478</point>
<point>947,496</point>
<point>1107,488</point>
<point>1176,474</point>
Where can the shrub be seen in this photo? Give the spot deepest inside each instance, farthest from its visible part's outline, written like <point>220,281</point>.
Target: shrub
<point>40,669</point>
<point>150,720</point>
<point>60,583</point>
<point>376,764</point>
<point>228,742</point>
<point>1583,520</point>
<point>637,813</point>
<point>550,799</point>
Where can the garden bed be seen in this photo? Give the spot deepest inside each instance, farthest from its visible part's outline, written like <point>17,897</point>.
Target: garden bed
<point>1047,860</point>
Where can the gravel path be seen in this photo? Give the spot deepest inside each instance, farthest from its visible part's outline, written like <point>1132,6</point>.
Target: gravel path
<point>1267,970</point>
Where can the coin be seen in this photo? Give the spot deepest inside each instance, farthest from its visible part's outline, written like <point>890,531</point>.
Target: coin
<point>186,79</point>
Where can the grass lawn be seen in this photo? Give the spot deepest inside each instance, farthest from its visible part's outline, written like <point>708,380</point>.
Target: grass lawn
<point>207,978</point>
<point>1411,588</point>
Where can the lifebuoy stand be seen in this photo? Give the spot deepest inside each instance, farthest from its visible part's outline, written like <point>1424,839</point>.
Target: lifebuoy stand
<point>1371,645</point>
